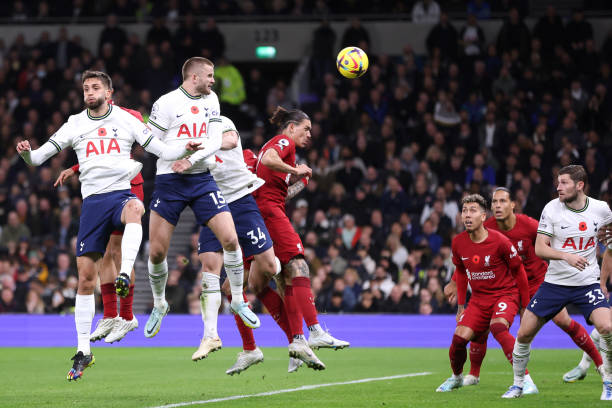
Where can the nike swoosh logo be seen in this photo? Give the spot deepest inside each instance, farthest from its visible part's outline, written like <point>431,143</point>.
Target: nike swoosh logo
<point>595,304</point>
<point>498,313</point>
<point>151,331</point>
<point>178,116</point>
<point>562,227</point>
<point>463,259</point>
<point>250,321</point>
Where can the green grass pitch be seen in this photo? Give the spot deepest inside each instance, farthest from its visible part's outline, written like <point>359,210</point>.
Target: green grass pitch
<point>152,377</point>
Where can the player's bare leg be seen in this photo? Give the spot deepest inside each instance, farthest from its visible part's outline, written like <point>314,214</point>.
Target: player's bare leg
<point>602,320</point>
<point>85,307</point>
<point>582,339</point>
<point>210,301</point>
<point>131,217</point>
<point>458,355</point>
<point>222,225</point>
<point>530,325</point>
<point>126,321</point>
<point>108,274</point>
<point>160,232</point>
<point>300,286</point>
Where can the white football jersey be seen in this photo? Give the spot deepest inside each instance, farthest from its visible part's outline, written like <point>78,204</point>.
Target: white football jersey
<point>231,173</point>
<point>574,231</point>
<point>103,146</point>
<point>178,117</point>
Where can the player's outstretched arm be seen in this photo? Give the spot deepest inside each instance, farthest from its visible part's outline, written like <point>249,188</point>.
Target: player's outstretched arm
<point>38,156</point>
<point>229,140</point>
<point>65,175</point>
<point>546,252</point>
<point>295,188</point>
<point>213,142</point>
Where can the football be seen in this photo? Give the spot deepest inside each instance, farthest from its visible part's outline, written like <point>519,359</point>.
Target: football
<point>352,62</point>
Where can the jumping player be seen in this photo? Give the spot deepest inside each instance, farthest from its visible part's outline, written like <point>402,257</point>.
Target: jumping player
<point>102,138</point>
<point>113,327</point>
<point>190,112</point>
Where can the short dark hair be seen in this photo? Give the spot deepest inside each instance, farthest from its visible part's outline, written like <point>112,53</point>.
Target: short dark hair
<point>576,173</point>
<point>102,76</point>
<point>507,190</point>
<point>191,63</point>
<point>283,117</point>
<point>475,198</point>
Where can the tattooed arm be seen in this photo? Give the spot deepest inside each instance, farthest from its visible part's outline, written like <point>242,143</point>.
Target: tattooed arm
<point>295,188</point>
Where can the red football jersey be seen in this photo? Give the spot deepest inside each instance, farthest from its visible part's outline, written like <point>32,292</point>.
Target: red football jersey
<point>486,265</point>
<point>274,191</point>
<point>138,179</point>
<point>250,159</point>
<point>523,237</point>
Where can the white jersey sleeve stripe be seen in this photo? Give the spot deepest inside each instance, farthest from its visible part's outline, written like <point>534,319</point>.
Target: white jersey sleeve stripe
<point>156,125</point>
<point>545,233</point>
<point>54,143</point>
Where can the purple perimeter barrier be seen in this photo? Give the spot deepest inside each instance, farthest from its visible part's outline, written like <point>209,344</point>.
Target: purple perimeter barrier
<point>21,330</point>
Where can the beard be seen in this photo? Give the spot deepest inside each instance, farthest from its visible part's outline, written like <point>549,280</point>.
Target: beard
<point>203,89</point>
<point>95,104</point>
<point>571,198</point>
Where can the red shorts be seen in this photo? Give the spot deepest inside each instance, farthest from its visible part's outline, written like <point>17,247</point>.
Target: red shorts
<point>287,243</point>
<point>534,285</point>
<point>138,191</point>
<point>479,313</point>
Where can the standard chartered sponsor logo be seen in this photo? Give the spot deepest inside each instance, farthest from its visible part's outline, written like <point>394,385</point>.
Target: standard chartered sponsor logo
<point>482,275</point>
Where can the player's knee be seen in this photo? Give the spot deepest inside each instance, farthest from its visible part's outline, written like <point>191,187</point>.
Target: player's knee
<point>563,322</point>
<point>134,209</point>
<point>229,242</point>
<point>604,328</point>
<point>498,328</point>
<point>524,337</point>
<point>156,254</point>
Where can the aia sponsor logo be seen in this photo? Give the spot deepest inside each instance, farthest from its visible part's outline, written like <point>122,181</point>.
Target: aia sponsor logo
<point>579,243</point>
<point>193,131</point>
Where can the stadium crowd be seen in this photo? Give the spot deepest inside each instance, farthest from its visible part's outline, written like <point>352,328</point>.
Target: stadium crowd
<point>392,152</point>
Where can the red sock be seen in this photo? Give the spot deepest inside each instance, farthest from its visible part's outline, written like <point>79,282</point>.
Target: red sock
<point>478,349</point>
<point>305,300</point>
<point>274,303</point>
<point>125,305</point>
<point>504,338</point>
<point>458,354</point>
<point>109,300</point>
<point>246,333</point>
<point>294,315</point>
<point>582,339</point>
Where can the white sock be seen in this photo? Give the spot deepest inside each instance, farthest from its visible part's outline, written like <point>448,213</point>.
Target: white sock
<point>84,309</point>
<point>234,269</point>
<point>520,358</point>
<point>210,300</point>
<point>458,376</point>
<point>315,328</point>
<point>130,245</point>
<point>158,276</point>
<point>606,352</point>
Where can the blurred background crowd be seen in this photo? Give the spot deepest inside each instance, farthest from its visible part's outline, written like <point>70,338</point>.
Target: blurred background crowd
<point>392,153</point>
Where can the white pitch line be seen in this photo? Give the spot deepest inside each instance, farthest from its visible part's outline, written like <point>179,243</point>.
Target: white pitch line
<point>302,388</point>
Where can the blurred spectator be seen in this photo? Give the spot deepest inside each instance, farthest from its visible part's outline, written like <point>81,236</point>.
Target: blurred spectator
<point>213,41</point>
<point>14,230</point>
<point>426,11</point>
<point>356,35</point>
<point>443,39</point>
<point>323,47</point>
<point>514,36</point>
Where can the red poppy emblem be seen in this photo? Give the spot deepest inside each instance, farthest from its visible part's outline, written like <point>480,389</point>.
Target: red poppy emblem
<point>476,259</point>
<point>101,132</point>
<point>194,110</point>
<point>582,226</point>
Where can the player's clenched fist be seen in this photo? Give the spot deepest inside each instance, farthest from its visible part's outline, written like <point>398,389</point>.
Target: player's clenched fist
<point>303,170</point>
<point>23,146</point>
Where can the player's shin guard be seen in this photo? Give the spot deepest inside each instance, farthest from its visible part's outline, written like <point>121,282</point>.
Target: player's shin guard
<point>84,309</point>
<point>582,339</point>
<point>210,300</point>
<point>246,333</point>
<point>232,260</point>
<point>109,300</point>
<point>274,303</point>
<point>520,358</point>
<point>504,338</point>
<point>478,350</point>
<point>125,305</point>
<point>130,245</point>
<point>305,300</point>
<point>457,354</point>
<point>158,276</point>
<point>293,313</point>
